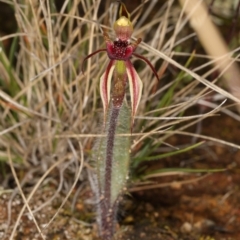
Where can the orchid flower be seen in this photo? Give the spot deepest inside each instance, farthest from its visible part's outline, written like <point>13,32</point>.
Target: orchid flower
<point>119,52</point>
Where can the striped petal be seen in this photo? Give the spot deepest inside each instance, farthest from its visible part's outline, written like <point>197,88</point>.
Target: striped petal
<point>105,86</point>
<point>135,86</point>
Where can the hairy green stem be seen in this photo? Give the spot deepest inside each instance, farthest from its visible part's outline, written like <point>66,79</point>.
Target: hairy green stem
<point>108,210</point>
<point>112,167</point>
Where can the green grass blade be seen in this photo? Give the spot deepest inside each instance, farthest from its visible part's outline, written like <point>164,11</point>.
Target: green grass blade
<point>137,161</point>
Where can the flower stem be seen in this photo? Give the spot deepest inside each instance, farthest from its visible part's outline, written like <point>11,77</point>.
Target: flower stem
<point>108,213</point>
<point>112,167</point>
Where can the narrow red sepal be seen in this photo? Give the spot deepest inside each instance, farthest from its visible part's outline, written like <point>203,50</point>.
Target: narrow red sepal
<point>90,55</point>
<point>135,86</point>
<point>149,64</point>
<point>105,85</point>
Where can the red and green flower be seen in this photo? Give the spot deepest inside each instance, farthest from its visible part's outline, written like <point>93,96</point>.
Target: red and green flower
<point>120,69</point>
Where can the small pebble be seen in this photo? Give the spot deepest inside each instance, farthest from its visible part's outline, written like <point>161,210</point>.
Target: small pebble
<point>186,227</point>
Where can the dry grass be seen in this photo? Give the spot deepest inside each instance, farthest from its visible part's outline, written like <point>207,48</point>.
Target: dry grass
<point>50,111</point>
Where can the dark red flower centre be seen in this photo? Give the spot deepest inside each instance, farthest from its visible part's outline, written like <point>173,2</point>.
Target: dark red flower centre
<point>120,50</point>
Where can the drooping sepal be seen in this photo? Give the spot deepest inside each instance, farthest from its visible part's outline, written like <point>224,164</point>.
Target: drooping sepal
<point>135,86</point>
<point>105,86</point>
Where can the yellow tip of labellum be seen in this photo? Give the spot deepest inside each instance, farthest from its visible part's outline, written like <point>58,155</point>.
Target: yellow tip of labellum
<point>123,28</point>
<point>123,22</point>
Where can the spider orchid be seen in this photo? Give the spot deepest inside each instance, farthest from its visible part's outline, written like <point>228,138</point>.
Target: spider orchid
<point>119,52</point>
